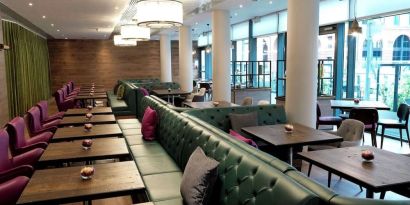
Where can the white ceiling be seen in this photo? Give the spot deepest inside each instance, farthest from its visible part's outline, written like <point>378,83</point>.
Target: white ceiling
<point>80,19</point>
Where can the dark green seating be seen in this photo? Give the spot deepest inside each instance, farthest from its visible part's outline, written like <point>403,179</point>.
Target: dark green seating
<point>126,106</point>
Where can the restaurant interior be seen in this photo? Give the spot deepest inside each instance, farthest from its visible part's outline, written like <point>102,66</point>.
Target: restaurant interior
<point>231,102</point>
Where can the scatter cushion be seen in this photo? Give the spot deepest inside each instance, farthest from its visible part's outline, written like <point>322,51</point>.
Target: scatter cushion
<point>238,121</point>
<point>144,91</point>
<point>149,123</point>
<point>199,178</point>
<point>120,92</point>
<point>242,138</point>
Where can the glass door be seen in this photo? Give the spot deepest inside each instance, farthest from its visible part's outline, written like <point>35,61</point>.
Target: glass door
<point>326,61</point>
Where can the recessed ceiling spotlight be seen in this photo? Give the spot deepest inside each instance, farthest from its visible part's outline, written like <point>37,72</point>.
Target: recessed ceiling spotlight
<point>270,2</point>
<point>116,8</point>
<point>235,14</point>
<point>52,25</point>
<point>58,30</point>
<point>30,4</point>
<point>196,23</point>
<point>240,6</point>
<point>44,17</point>
<point>66,38</point>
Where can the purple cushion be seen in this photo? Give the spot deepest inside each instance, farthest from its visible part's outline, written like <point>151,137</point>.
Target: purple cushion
<point>144,91</point>
<point>242,138</point>
<point>149,123</point>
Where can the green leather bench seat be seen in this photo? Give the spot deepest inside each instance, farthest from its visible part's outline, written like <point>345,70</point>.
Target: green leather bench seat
<point>126,132</point>
<point>128,121</point>
<point>126,106</point>
<point>130,126</point>
<point>176,201</point>
<point>151,149</point>
<point>163,186</point>
<point>219,117</point>
<point>135,140</point>
<point>156,164</point>
<point>245,175</point>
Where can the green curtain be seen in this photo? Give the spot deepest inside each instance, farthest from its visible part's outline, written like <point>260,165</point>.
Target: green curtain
<point>27,68</point>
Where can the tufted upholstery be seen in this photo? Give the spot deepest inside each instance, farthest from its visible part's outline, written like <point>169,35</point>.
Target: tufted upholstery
<point>219,117</point>
<point>126,106</point>
<point>242,178</point>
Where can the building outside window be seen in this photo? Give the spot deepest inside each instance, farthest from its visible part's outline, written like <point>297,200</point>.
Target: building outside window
<point>267,50</point>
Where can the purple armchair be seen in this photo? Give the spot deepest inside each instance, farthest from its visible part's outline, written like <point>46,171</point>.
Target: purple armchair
<point>45,118</point>
<point>67,94</point>
<point>72,87</point>
<point>63,104</point>
<point>33,121</point>
<point>19,144</point>
<point>10,190</point>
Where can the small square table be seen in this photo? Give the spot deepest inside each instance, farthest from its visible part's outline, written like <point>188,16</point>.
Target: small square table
<point>349,104</point>
<point>76,133</point>
<point>388,171</point>
<point>81,120</point>
<point>83,111</point>
<point>301,136</point>
<point>64,185</point>
<point>104,148</point>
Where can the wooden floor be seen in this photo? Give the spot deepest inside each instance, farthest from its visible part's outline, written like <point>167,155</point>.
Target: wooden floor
<point>342,187</point>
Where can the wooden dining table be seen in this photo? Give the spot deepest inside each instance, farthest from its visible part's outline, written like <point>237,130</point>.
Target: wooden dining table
<point>388,171</point>
<point>97,131</point>
<point>301,136</point>
<point>349,104</point>
<point>103,148</point>
<point>209,104</point>
<point>83,111</point>
<point>81,120</point>
<point>64,185</point>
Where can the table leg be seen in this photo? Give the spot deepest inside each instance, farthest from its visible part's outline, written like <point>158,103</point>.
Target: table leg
<point>173,100</point>
<point>168,98</point>
<point>369,193</point>
<point>291,156</point>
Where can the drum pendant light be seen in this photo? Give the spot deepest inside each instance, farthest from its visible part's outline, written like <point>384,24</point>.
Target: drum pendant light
<point>159,13</point>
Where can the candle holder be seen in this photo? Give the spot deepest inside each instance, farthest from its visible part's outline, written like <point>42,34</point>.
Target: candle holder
<point>367,155</point>
<point>288,128</point>
<point>86,173</point>
<point>88,127</point>
<point>87,143</point>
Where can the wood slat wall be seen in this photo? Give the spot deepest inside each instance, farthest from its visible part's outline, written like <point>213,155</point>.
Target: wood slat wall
<point>100,61</point>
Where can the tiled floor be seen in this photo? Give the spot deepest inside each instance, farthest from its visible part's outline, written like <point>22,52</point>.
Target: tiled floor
<point>340,186</point>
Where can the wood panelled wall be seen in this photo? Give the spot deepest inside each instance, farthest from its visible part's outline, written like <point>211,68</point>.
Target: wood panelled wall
<point>100,61</point>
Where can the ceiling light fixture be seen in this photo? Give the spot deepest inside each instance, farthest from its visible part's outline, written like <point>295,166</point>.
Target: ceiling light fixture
<point>30,4</point>
<point>159,13</point>
<point>134,32</point>
<point>52,25</point>
<point>355,28</point>
<point>240,6</point>
<point>119,41</point>
<point>44,17</point>
<point>58,30</point>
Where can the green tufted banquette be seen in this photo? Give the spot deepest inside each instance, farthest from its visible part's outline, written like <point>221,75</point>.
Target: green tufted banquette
<point>246,175</point>
<point>126,106</point>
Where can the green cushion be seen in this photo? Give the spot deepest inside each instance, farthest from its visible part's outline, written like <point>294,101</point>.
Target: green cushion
<point>176,201</point>
<point>135,140</point>
<point>163,186</point>
<point>120,92</point>
<point>118,105</point>
<point>151,149</point>
<point>128,121</point>
<point>131,132</point>
<point>156,164</point>
<point>130,126</point>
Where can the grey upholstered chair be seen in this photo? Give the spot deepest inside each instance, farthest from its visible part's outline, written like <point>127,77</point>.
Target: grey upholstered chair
<point>247,101</point>
<point>352,133</point>
<point>263,102</point>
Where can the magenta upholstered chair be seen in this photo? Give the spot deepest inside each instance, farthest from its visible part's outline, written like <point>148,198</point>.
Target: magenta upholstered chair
<point>19,144</point>
<point>63,104</point>
<point>71,90</point>
<point>33,121</point>
<point>45,118</point>
<point>20,165</point>
<point>66,93</point>
<point>10,190</point>
<point>73,86</point>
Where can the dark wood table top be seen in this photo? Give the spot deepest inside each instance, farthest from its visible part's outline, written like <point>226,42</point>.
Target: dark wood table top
<point>98,131</point>
<point>209,104</point>
<point>83,111</point>
<point>81,120</point>
<point>387,171</point>
<point>171,92</point>
<point>301,135</point>
<point>88,97</point>
<point>88,93</point>
<point>349,104</point>
<point>64,185</point>
<point>104,148</point>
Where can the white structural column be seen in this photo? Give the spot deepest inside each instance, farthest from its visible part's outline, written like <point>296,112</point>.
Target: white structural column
<point>185,58</point>
<point>301,61</point>
<point>165,52</point>
<point>221,55</point>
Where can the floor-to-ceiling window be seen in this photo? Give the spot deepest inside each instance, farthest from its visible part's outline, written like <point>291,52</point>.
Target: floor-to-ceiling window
<point>382,69</point>
<point>267,50</point>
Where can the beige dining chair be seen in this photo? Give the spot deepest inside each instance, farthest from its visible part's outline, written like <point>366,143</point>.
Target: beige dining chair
<point>263,102</point>
<point>247,101</point>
